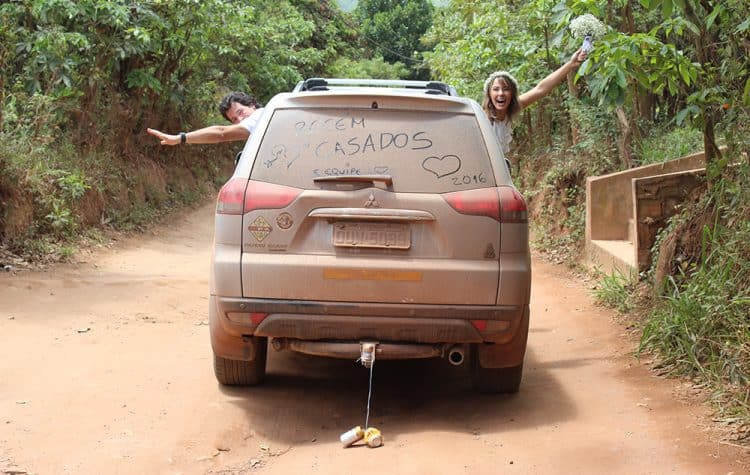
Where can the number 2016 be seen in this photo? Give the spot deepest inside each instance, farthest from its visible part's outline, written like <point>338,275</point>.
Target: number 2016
<point>469,179</point>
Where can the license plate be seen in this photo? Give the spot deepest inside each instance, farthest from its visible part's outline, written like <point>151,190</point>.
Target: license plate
<point>377,235</point>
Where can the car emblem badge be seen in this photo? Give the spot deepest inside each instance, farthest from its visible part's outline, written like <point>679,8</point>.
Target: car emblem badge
<point>372,202</point>
<point>260,228</point>
<point>284,220</point>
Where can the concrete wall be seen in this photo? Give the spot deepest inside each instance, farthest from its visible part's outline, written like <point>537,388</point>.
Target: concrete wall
<point>609,198</point>
<point>657,198</point>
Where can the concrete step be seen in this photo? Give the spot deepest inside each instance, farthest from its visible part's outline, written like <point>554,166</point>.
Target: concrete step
<point>612,256</point>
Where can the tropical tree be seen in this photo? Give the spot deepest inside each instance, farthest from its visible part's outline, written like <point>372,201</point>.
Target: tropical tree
<point>718,38</point>
<point>393,29</point>
<point>156,62</point>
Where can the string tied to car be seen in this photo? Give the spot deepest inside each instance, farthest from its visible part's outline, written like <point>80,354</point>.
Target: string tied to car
<point>371,435</point>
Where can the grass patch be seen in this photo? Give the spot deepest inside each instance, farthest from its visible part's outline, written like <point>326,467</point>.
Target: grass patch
<point>616,291</point>
<point>662,145</point>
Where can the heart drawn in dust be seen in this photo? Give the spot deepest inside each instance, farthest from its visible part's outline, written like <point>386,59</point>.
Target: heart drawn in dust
<point>442,166</point>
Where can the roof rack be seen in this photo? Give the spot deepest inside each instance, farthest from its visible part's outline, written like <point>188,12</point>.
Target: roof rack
<point>325,84</point>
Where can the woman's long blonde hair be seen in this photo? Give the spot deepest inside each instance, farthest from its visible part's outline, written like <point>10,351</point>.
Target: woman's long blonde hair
<point>514,108</point>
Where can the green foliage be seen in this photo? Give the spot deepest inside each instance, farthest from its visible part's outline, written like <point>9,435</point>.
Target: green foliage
<point>375,68</point>
<point>664,144</point>
<point>622,59</point>
<point>64,189</point>
<point>615,290</point>
<point>394,28</point>
<point>81,80</point>
<point>719,35</point>
<point>333,37</point>
<point>471,39</point>
<point>595,152</point>
<point>171,57</point>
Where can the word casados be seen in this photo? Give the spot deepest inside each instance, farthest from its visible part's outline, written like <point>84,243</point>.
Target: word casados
<point>373,143</point>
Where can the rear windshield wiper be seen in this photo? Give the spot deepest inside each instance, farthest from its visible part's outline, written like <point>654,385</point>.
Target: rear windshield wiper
<point>387,179</point>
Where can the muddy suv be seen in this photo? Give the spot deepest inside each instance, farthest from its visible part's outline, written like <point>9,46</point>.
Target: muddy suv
<point>376,212</point>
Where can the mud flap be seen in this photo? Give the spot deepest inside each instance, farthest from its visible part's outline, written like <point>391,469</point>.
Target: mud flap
<point>508,354</point>
<point>227,344</point>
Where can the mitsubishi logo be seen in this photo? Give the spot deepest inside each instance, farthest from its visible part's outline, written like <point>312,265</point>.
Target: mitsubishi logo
<point>371,202</point>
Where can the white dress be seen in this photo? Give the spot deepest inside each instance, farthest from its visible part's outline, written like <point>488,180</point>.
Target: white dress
<point>504,133</point>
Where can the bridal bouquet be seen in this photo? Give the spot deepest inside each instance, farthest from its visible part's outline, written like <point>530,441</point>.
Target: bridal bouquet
<point>589,28</point>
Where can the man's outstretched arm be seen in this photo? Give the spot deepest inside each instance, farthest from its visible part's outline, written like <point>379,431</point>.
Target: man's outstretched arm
<point>211,134</point>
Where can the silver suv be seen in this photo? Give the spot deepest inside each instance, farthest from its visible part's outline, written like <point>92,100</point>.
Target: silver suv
<point>378,212</point>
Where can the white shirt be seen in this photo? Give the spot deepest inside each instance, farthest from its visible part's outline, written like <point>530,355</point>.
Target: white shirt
<point>504,133</point>
<point>251,121</point>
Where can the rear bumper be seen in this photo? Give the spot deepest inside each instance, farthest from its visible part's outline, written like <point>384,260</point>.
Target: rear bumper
<point>231,319</point>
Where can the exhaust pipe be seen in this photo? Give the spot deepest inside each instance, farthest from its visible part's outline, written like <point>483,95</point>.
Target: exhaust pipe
<point>456,355</point>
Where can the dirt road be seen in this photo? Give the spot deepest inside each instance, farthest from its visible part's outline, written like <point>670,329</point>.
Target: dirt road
<point>105,367</point>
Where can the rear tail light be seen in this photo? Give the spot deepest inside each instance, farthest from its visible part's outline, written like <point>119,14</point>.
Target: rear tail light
<point>231,197</point>
<point>504,204</point>
<point>262,195</point>
<point>240,196</point>
<point>512,206</point>
<point>479,202</point>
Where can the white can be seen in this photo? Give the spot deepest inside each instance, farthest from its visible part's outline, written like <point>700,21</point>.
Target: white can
<point>351,436</point>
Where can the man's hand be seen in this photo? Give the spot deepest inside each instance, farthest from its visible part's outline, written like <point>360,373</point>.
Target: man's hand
<point>165,139</point>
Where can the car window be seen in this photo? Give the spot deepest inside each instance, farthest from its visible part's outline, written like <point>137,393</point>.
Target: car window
<point>423,151</point>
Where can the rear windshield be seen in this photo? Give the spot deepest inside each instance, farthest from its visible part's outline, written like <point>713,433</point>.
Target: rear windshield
<point>424,152</point>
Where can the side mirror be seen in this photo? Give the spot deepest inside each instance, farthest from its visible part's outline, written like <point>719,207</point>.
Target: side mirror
<point>237,158</point>
<point>509,165</point>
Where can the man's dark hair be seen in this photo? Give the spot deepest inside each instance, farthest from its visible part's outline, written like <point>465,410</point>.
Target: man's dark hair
<point>239,97</point>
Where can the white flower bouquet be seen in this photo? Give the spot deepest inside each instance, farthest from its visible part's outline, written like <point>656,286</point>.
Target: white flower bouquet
<point>589,28</point>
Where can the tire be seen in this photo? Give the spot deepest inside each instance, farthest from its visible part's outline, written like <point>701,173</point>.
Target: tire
<point>242,373</point>
<point>496,380</point>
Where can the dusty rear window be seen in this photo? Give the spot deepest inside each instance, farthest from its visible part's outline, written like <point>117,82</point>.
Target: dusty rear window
<point>431,152</point>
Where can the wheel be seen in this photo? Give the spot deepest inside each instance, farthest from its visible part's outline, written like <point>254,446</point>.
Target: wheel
<point>495,380</point>
<point>242,373</point>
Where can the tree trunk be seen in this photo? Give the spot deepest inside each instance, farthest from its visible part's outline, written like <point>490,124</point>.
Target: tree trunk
<point>2,99</point>
<point>575,133</point>
<point>712,152</point>
<point>529,129</point>
<point>624,143</point>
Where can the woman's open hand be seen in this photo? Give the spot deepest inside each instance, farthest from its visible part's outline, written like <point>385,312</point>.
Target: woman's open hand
<point>578,57</point>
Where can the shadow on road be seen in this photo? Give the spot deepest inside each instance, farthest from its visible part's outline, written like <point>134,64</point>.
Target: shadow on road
<point>304,398</point>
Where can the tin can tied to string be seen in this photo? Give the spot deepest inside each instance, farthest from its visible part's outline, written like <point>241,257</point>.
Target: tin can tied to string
<point>373,437</point>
